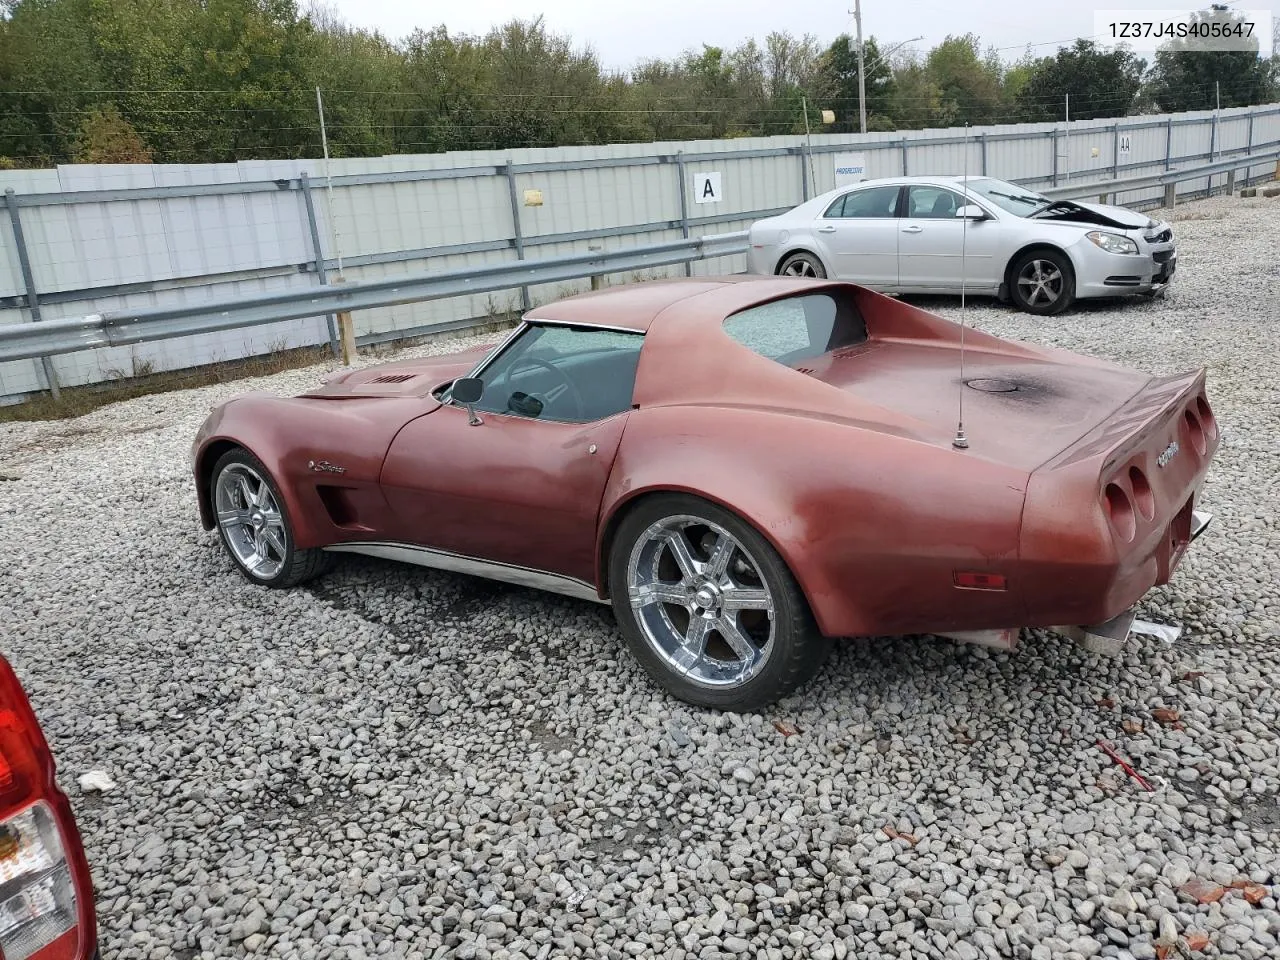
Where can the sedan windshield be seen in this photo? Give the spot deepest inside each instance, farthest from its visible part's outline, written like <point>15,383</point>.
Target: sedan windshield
<point>1009,196</point>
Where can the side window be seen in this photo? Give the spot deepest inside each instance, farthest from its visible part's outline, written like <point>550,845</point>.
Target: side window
<point>932,203</point>
<point>873,202</point>
<point>567,374</point>
<point>796,329</point>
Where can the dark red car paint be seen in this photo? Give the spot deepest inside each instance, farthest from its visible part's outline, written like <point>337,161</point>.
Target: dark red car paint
<point>846,465</point>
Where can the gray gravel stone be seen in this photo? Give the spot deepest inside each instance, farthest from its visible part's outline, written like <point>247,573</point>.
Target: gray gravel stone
<point>394,762</point>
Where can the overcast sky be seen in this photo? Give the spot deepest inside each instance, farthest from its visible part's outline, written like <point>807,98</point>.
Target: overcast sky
<point>623,32</point>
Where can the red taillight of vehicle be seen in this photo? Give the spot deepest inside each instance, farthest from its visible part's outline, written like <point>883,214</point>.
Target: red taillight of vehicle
<point>1120,511</point>
<point>1142,495</point>
<point>41,914</point>
<point>1195,432</point>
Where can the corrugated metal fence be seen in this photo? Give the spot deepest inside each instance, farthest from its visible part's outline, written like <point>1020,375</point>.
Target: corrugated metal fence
<point>123,237</point>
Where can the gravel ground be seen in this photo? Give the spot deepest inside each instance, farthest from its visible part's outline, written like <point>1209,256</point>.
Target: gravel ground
<point>403,763</point>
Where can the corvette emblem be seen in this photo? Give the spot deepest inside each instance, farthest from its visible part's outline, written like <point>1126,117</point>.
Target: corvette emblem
<point>324,466</point>
<point>1169,453</point>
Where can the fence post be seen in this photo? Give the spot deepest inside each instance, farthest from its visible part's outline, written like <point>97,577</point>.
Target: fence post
<point>1054,134</point>
<point>515,220</point>
<point>1168,143</point>
<point>1213,146</point>
<point>804,175</point>
<point>982,144</point>
<point>29,285</point>
<point>684,210</point>
<point>904,156</point>
<point>1115,151</point>
<point>322,269</point>
<point>1248,147</point>
<point>1171,195</point>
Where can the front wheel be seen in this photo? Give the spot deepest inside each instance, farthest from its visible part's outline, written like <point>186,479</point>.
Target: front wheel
<point>802,265</point>
<point>1042,282</point>
<point>709,608</point>
<point>254,525</point>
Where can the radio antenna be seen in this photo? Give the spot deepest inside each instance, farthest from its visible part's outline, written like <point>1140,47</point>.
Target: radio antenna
<point>961,442</point>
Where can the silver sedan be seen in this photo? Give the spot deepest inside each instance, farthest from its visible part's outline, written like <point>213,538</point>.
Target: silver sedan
<point>927,234</point>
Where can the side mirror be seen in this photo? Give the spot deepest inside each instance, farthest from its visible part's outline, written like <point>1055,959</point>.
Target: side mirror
<point>971,211</point>
<point>466,391</point>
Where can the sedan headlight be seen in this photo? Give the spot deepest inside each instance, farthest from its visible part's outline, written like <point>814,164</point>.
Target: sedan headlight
<point>1112,242</point>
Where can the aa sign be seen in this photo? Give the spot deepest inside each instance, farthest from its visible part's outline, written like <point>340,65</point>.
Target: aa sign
<point>706,188</point>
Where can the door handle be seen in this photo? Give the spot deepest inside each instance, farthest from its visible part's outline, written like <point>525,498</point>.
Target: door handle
<point>913,229</point>
<point>826,229</point>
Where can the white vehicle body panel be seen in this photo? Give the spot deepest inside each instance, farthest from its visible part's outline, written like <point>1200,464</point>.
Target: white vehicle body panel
<point>920,249</point>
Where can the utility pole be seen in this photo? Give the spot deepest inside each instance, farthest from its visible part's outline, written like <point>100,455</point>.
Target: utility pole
<point>862,71</point>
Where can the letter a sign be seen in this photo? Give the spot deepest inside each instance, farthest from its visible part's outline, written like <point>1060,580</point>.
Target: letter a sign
<point>706,188</point>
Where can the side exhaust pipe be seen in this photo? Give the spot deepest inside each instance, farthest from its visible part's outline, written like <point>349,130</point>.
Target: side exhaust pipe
<point>1111,638</point>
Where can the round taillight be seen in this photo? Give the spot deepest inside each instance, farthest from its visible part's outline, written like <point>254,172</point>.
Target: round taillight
<point>1142,495</point>
<point>1195,432</point>
<point>1206,415</point>
<point>1120,511</point>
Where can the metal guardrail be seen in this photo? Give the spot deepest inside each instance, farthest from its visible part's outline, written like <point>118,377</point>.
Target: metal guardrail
<point>1098,188</point>
<point>47,338</point>
<point>116,328</point>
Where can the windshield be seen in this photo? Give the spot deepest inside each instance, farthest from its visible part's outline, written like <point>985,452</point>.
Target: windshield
<point>1009,196</point>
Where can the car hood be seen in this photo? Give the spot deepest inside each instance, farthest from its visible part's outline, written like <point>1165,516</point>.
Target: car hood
<point>1095,214</point>
<point>401,378</point>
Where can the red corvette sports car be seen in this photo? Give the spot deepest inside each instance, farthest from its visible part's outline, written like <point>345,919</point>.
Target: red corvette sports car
<point>743,467</point>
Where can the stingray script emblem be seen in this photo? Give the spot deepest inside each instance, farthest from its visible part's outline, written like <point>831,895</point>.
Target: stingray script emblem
<point>324,466</point>
<point>1169,453</point>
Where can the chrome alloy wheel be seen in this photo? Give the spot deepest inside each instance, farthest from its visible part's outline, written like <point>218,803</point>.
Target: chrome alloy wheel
<point>700,601</point>
<point>799,267</point>
<point>251,521</point>
<point>1040,282</point>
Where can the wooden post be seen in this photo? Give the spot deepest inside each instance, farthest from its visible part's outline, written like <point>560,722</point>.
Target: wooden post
<point>346,331</point>
<point>1170,194</point>
<point>1231,183</point>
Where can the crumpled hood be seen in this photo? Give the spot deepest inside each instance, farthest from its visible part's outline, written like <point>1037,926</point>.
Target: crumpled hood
<point>400,378</point>
<point>1096,214</point>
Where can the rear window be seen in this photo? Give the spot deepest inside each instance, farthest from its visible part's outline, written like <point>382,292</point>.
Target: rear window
<point>799,328</point>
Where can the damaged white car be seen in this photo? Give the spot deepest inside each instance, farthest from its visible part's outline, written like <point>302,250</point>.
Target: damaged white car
<point>912,234</point>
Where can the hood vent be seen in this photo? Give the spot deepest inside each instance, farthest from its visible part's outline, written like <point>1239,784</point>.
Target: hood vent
<point>393,378</point>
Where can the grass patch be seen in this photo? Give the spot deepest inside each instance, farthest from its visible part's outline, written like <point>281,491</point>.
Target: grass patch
<point>142,382</point>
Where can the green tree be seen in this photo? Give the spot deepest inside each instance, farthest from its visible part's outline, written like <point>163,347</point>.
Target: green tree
<point>968,81</point>
<point>916,100</point>
<point>1100,84</point>
<point>1186,76</point>
<point>107,137</point>
<point>837,82</point>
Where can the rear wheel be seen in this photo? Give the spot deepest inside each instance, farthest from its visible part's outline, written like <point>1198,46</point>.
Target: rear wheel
<point>708,607</point>
<point>802,265</point>
<point>254,524</point>
<point>1042,282</point>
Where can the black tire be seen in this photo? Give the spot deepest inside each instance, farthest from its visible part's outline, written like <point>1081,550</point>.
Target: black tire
<point>294,566</point>
<point>1023,269</point>
<point>802,264</point>
<point>795,648</point>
